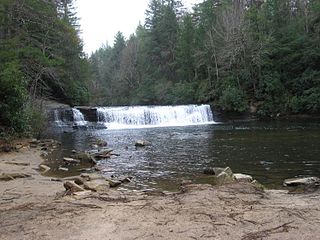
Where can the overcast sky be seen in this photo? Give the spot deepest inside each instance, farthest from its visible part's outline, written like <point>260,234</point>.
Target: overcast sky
<point>101,19</point>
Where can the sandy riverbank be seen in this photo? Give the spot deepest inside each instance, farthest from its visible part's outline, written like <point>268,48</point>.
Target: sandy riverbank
<point>32,208</point>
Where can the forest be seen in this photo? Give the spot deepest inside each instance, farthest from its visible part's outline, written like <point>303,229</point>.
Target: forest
<point>261,56</point>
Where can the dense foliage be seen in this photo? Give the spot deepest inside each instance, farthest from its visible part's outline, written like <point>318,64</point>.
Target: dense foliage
<point>236,54</point>
<point>40,56</point>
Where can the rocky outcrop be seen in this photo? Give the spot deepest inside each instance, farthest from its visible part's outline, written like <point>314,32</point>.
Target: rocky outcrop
<point>222,176</point>
<point>292,182</point>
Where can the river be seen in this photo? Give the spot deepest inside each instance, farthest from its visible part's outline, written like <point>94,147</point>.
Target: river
<point>269,151</point>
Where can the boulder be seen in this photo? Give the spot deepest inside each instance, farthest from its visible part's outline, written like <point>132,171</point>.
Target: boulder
<point>142,143</point>
<point>73,187</point>
<point>301,181</point>
<point>242,177</point>
<point>96,185</point>
<point>223,178</point>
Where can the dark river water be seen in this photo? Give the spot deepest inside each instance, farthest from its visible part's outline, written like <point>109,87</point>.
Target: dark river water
<point>270,152</point>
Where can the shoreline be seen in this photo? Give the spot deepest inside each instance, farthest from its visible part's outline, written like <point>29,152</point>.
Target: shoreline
<point>35,208</point>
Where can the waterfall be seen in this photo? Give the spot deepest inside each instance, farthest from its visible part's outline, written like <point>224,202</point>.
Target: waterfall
<point>78,118</point>
<point>57,118</point>
<point>154,116</point>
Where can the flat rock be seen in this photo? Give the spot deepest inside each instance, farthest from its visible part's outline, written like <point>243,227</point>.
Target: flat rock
<point>301,181</point>
<point>97,185</point>
<point>243,177</point>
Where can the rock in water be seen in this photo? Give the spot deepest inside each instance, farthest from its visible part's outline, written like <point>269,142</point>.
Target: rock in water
<point>301,181</point>
<point>224,178</point>
<point>142,143</point>
<point>114,183</point>
<point>217,170</point>
<point>70,160</point>
<point>243,177</point>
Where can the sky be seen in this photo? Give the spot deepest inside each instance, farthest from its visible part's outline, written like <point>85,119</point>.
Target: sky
<point>100,20</point>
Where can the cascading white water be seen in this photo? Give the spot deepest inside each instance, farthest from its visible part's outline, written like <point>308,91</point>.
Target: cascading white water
<point>57,119</point>
<point>78,118</point>
<point>154,116</point>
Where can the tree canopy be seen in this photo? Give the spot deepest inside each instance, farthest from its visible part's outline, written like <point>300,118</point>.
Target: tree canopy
<point>40,56</point>
<point>231,53</point>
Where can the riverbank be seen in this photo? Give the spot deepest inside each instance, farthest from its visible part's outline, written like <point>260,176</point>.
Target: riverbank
<point>34,208</point>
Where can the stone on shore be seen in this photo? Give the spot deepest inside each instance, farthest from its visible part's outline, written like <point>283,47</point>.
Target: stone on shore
<point>114,183</point>
<point>73,187</point>
<point>242,177</point>
<point>98,185</point>
<point>301,181</point>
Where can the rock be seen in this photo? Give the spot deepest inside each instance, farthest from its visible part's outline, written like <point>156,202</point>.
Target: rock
<point>74,151</point>
<point>73,187</point>
<point>91,176</point>
<point>63,169</point>
<point>94,146</point>
<point>125,179</point>
<point>185,182</point>
<point>79,181</point>
<point>114,183</point>
<point>223,178</point>
<point>82,156</point>
<point>97,185</point>
<point>18,146</point>
<point>44,168</point>
<point>70,160</point>
<point>102,154</point>
<point>102,143</point>
<point>34,141</point>
<point>243,177</point>
<point>217,170</point>
<point>6,148</point>
<point>12,176</point>
<point>301,181</point>
<point>142,143</point>
<point>33,145</point>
